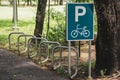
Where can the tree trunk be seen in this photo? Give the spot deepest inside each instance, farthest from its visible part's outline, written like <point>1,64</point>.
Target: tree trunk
<point>40,17</point>
<point>61,2</point>
<point>18,2</point>
<point>0,2</point>
<point>29,2</point>
<point>108,38</point>
<point>56,2</point>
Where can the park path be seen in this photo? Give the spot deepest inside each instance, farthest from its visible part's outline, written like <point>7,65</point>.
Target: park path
<point>14,67</point>
<point>24,13</point>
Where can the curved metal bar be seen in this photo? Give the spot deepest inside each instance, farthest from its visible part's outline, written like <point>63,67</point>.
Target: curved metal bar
<point>18,40</point>
<point>28,51</point>
<point>65,47</point>
<point>76,70</point>
<point>36,43</point>
<point>9,37</point>
<point>51,42</point>
<point>61,47</point>
<point>48,42</point>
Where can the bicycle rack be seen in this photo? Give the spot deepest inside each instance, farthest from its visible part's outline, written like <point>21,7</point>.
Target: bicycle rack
<point>48,42</point>
<point>36,43</point>
<point>9,37</point>
<point>69,66</point>
<point>26,44</point>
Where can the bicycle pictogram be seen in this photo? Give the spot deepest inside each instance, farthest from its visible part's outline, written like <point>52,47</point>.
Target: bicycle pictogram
<point>82,31</point>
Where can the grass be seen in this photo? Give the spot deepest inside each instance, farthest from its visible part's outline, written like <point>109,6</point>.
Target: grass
<point>6,28</point>
<point>3,38</point>
<point>24,26</point>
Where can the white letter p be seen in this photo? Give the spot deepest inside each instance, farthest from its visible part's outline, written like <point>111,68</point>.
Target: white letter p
<point>77,14</point>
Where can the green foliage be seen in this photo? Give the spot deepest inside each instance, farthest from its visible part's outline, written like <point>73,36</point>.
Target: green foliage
<point>57,26</point>
<point>60,70</point>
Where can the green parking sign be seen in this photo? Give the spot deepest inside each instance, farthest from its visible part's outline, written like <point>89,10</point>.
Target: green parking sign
<point>80,21</point>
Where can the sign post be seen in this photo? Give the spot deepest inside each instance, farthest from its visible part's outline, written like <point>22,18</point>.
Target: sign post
<point>89,60</point>
<point>80,27</point>
<point>15,14</point>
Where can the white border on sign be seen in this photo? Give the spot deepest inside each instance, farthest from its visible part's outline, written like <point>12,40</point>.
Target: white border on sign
<point>67,22</point>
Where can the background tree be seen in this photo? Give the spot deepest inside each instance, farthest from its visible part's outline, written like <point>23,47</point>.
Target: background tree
<point>0,2</point>
<point>108,38</point>
<point>61,2</point>
<point>29,2</point>
<point>11,2</point>
<point>40,17</point>
<point>56,2</point>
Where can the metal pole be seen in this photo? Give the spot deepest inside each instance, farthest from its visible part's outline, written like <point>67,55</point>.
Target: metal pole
<point>89,60</point>
<point>79,50</point>
<point>14,14</point>
<point>69,58</point>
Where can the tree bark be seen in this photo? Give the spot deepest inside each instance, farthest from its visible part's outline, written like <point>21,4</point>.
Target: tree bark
<point>29,2</point>
<point>0,2</point>
<point>40,17</point>
<point>108,38</point>
<point>61,2</point>
<point>18,2</point>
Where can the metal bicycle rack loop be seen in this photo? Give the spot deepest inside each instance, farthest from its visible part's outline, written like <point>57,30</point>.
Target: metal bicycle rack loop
<point>36,43</point>
<point>69,66</point>
<point>9,37</point>
<point>26,44</point>
<point>48,42</point>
